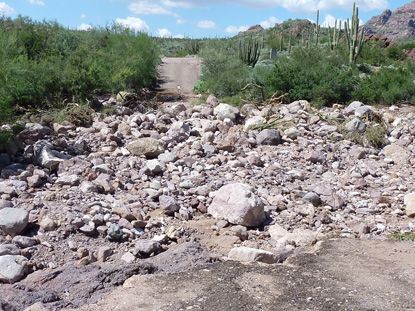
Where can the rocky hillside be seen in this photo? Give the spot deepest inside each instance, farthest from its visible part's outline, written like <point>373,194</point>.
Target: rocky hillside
<point>394,25</point>
<point>82,209</point>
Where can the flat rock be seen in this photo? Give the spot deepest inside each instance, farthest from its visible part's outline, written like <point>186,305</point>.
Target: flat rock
<point>398,154</point>
<point>246,254</point>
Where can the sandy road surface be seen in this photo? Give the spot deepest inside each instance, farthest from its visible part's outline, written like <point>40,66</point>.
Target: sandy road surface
<point>179,74</point>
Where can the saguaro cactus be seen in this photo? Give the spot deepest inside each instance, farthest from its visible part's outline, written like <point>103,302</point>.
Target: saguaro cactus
<point>354,41</point>
<point>334,40</point>
<point>317,29</point>
<point>250,50</point>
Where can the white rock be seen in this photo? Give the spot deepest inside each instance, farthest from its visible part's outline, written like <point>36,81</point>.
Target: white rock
<point>246,254</point>
<point>238,204</point>
<point>252,122</point>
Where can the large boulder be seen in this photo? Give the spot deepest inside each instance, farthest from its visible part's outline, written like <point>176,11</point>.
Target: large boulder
<point>238,204</point>
<point>147,146</point>
<point>13,220</point>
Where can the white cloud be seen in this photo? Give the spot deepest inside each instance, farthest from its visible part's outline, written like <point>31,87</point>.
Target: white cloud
<point>270,22</point>
<point>296,6</point>
<point>85,27</point>
<point>134,23</point>
<point>179,37</point>
<point>179,4</point>
<point>234,29</point>
<point>37,2</point>
<point>163,33</point>
<point>83,16</point>
<point>206,24</point>
<point>180,21</point>
<point>6,9</point>
<point>147,8</point>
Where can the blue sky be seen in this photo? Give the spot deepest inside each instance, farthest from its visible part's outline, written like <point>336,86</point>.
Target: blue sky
<point>197,18</point>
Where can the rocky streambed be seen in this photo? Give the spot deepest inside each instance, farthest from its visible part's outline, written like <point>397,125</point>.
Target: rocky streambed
<point>83,209</point>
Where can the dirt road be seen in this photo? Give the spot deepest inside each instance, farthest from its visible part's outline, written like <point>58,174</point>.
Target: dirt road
<point>340,275</point>
<point>179,74</point>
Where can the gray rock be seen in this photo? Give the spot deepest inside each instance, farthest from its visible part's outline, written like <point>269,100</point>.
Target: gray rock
<point>167,157</point>
<point>147,146</point>
<point>5,203</point>
<point>88,187</point>
<point>45,156</point>
<point>246,254</point>
<point>409,201</point>
<point>147,247</point>
<point>398,154</point>
<point>212,100</point>
<point>225,111</point>
<point>155,166</point>
<point>115,232</point>
<point>313,198</point>
<point>169,204</point>
<point>74,166</point>
<point>12,268</point>
<point>363,111</point>
<point>349,110</point>
<point>24,241</point>
<point>9,249</point>
<point>34,181</point>
<point>104,252</point>
<point>128,258</point>
<point>6,189</point>
<point>277,232</point>
<point>13,220</point>
<point>355,126</point>
<point>238,204</point>
<point>269,137</point>
<point>70,180</point>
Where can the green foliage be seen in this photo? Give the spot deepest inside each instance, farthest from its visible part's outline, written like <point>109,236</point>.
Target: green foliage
<point>403,236</point>
<point>42,64</point>
<point>388,86</point>
<point>312,75</point>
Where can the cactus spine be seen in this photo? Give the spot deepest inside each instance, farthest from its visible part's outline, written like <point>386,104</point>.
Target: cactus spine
<point>354,41</point>
<point>250,50</point>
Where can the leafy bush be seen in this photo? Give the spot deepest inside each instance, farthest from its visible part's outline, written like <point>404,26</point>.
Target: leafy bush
<point>43,65</point>
<point>313,75</point>
<point>388,86</point>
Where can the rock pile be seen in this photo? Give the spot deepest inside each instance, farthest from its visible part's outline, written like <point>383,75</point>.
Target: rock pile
<point>137,184</point>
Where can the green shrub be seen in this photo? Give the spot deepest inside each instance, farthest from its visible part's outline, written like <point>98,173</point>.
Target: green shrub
<point>43,65</point>
<point>388,86</point>
<point>313,75</point>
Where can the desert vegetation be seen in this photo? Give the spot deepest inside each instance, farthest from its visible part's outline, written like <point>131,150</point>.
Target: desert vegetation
<point>46,66</point>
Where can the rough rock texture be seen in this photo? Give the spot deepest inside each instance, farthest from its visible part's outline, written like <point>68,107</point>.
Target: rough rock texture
<point>13,220</point>
<point>238,204</point>
<point>246,254</point>
<point>397,24</point>
<point>149,147</point>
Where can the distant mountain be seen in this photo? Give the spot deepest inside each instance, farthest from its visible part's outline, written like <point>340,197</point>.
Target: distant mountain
<point>394,25</point>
